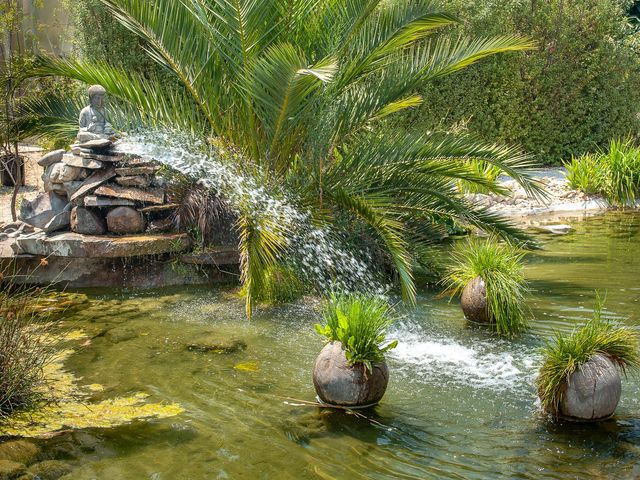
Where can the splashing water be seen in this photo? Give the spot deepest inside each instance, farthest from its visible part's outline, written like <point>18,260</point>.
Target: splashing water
<point>435,356</point>
<point>315,249</point>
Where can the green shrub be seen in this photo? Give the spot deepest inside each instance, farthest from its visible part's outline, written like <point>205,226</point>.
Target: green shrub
<point>500,266</point>
<point>615,173</point>
<point>585,173</point>
<point>566,354</point>
<point>360,323</point>
<point>575,92</point>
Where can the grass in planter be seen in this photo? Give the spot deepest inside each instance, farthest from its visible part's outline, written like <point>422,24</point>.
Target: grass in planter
<point>360,322</point>
<point>567,353</point>
<point>499,264</point>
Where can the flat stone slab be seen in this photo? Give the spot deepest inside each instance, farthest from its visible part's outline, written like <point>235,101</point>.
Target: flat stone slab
<point>82,162</point>
<point>75,245</point>
<point>96,201</point>
<point>51,158</point>
<point>141,181</point>
<point>159,208</point>
<point>95,180</point>
<point>102,157</point>
<point>151,195</point>
<point>99,144</point>
<point>133,171</point>
<point>218,256</point>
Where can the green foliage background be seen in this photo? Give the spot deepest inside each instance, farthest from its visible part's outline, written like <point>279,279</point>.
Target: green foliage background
<point>573,94</point>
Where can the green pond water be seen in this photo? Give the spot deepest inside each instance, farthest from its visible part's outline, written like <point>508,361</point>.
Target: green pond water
<point>460,402</point>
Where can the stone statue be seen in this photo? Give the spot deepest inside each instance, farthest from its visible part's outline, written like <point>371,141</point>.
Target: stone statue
<point>93,118</point>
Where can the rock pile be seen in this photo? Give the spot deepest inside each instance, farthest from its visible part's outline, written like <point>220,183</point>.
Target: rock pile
<point>94,190</point>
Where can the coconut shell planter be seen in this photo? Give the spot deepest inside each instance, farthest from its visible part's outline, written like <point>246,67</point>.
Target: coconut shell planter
<point>350,370</point>
<point>474,301</point>
<point>338,382</point>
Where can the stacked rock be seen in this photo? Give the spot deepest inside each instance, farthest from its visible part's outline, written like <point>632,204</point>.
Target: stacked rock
<point>93,189</point>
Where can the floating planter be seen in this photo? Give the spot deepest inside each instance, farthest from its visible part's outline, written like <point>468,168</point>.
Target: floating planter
<point>350,371</point>
<point>579,379</point>
<point>489,276</point>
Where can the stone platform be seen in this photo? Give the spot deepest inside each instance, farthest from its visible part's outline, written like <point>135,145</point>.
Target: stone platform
<point>138,261</point>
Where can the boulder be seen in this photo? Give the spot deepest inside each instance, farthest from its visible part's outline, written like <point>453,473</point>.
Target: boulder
<point>20,451</point>
<point>51,158</point>
<point>593,391</point>
<point>50,469</point>
<point>96,144</point>
<point>10,470</point>
<point>81,162</point>
<point>125,220</point>
<point>41,210</point>
<point>474,301</point>
<point>339,383</point>
<point>87,222</point>
<point>141,181</point>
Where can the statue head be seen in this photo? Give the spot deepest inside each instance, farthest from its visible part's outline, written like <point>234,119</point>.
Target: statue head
<point>96,96</point>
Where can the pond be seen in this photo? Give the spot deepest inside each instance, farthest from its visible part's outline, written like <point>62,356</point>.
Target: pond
<point>460,403</point>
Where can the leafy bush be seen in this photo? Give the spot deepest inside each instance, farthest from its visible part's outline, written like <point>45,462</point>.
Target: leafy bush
<point>360,323</point>
<point>615,174</point>
<point>571,95</point>
<point>500,266</point>
<point>566,354</point>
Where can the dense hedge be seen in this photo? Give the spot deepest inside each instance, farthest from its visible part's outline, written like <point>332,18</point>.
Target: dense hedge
<point>580,88</point>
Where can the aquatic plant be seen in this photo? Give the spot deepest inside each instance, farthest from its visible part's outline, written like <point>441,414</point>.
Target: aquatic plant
<point>360,322</point>
<point>585,173</point>
<point>565,354</point>
<point>499,264</point>
<point>294,94</point>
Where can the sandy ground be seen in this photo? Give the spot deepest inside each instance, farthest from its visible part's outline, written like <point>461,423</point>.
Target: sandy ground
<point>33,182</point>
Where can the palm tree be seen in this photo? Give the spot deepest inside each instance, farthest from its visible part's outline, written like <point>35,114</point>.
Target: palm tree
<point>301,90</point>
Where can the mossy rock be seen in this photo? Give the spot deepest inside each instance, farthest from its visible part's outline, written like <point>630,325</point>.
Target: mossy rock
<point>218,346</point>
<point>11,470</point>
<point>19,451</point>
<point>50,469</point>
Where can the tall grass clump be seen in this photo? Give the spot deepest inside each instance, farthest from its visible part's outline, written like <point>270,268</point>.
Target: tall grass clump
<point>360,322</point>
<point>566,354</point>
<point>24,347</point>
<point>499,264</point>
<point>615,174</point>
<point>279,284</point>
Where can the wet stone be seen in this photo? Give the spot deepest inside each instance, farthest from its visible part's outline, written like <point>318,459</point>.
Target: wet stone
<point>10,470</point>
<point>101,157</point>
<point>152,195</point>
<point>132,171</point>
<point>93,182</point>
<point>87,222</point>
<point>125,220</point>
<point>217,346</point>
<point>21,451</point>
<point>96,201</point>
<point>121,334</point>
<point>50,469</point>
<point>98,144</point>
<point>51,158</point>
<point>141,181</point>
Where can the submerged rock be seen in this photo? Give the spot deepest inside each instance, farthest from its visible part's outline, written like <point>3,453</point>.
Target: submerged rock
<point>20,451</point>
<point>218,346</point>
<point>50,469</point>
<point>10,470</point>
<point>125,220</point>
<point>474,301</point>
<point>339,383</point>
<point>121,334</point>
<point>593,391</point>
